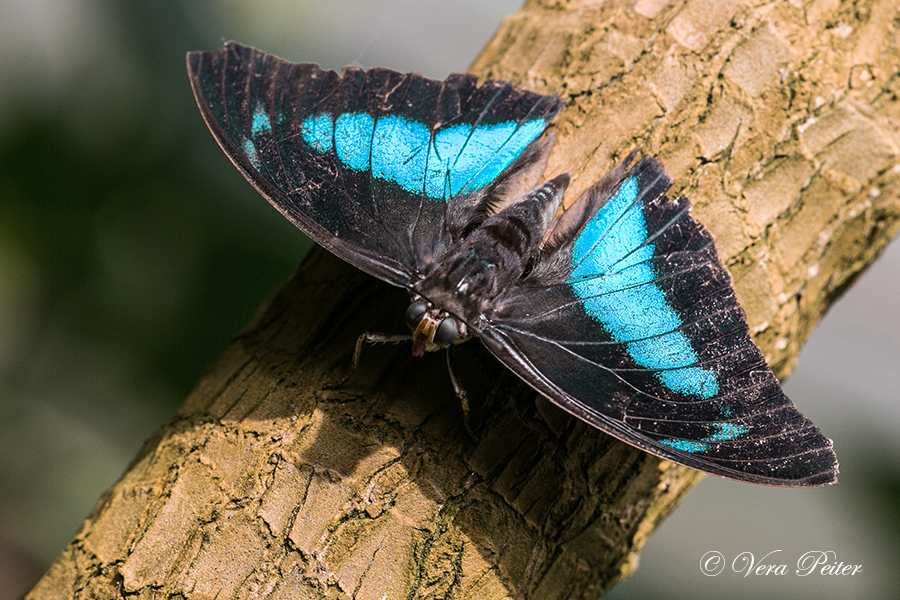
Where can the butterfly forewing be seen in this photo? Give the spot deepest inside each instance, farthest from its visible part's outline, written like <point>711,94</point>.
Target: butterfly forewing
<point>367,163</point>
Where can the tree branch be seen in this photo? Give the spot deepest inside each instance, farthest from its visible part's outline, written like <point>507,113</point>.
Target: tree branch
<point>780,120</point>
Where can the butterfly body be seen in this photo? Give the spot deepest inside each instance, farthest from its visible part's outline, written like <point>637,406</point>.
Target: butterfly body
<point>617,309</point>
<point>478,268</point>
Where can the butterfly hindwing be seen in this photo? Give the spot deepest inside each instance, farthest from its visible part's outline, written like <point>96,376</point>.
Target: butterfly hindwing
<point>382,168</point>
<point>630,322</point>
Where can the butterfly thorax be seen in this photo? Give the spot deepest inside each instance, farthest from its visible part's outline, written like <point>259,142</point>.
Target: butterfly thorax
<point>482,265</point>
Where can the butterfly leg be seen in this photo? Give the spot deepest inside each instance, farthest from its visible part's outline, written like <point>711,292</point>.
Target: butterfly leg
<point>460,393</point>
<point>372,338</point>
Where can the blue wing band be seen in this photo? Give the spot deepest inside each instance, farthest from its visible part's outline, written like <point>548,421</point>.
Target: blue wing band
<point>454,160</point>
<point>611,272</point>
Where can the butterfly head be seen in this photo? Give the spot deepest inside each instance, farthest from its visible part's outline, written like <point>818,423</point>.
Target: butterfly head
<point>432,328</point>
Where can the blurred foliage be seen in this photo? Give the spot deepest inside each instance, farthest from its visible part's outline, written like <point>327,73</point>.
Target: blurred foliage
<point>135,250</point>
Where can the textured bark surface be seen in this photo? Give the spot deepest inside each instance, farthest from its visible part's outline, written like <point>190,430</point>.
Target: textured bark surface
<point>780,120</point>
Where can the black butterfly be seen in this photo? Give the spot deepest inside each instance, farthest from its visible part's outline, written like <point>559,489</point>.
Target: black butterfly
<point>619,310</point>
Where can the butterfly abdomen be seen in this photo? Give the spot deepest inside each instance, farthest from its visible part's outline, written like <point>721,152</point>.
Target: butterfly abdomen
<point>520,227</point>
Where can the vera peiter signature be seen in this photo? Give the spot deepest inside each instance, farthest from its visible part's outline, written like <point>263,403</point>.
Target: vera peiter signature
<point>814,562</point>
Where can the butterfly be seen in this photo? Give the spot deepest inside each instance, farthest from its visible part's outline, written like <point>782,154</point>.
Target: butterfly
<point>617,309</point>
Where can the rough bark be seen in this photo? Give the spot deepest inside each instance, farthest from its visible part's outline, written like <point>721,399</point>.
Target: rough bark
<point>781,120</point>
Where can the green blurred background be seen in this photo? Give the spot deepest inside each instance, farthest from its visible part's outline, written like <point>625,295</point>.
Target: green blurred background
<point>131,251</point>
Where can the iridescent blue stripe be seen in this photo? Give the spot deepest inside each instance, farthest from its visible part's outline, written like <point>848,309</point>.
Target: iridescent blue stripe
<point>260,121</point>
<point>353,139</point>
<point>726,432</point>
<point>613,278</point>
<point>318,132</point>
<point>489,150</point>
<point>252,156</point>
<point>457,159</point>
<point>399,152</point>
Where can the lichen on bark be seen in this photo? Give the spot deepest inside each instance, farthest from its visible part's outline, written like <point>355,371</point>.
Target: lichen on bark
<point>780,120</point>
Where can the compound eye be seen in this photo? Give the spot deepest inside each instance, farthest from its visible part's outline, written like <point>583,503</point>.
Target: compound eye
<point>446,333</point>
<point>414,314</point>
